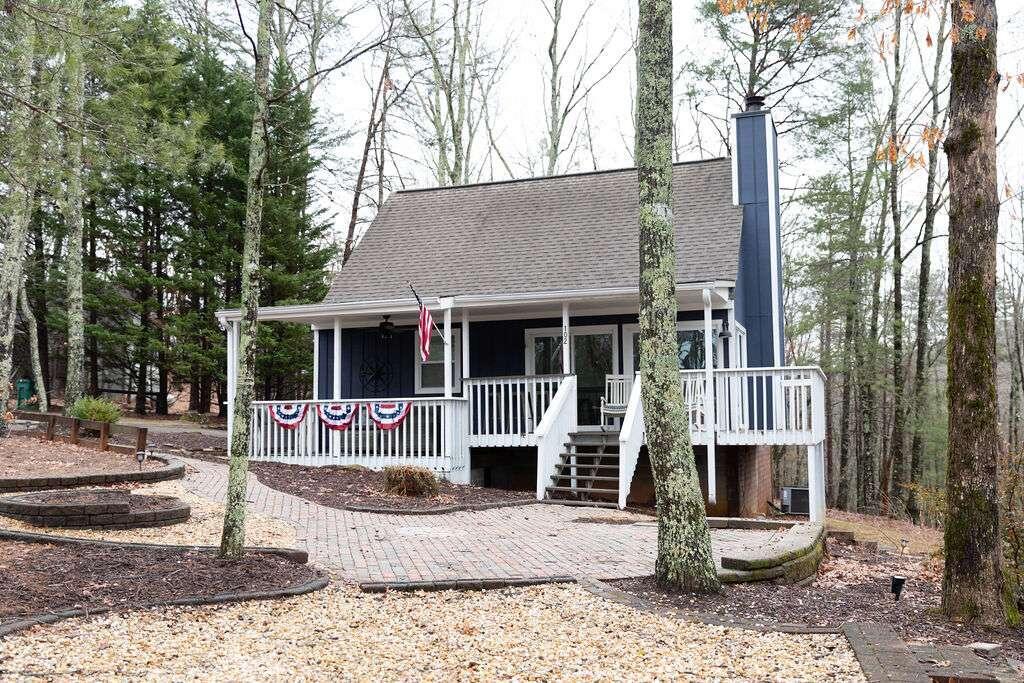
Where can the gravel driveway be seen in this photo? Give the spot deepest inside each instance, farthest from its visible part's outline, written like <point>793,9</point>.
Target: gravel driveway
<point>553,632</point>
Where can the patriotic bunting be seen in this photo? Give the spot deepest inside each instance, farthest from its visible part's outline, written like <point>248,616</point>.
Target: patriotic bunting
<point>389,415</point>
<point>338,416</point>
<point>288,415</point>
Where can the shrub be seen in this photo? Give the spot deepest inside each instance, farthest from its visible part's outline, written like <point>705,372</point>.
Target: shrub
<point>410,481</point>
<point>197,418</point>
<point>95,409</point>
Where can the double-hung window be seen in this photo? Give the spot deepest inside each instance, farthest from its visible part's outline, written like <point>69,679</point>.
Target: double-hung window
<point>430,374</point>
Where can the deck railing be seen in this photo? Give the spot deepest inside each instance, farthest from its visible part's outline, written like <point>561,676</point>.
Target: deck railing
<point>631,438</point>
<point>770,405</point>
<point>432,435</point>
<point>505,411</point>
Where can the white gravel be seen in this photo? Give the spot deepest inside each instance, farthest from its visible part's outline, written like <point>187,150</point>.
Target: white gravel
<point>556,632</point>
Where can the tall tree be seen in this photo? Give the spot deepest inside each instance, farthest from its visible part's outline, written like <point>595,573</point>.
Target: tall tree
<point>932,199</point>
<point>973,582</point>
<point>233,537</point>
<point>74,69</point>
<point>684,542</point>
<point>33,343</point>
<point>22,183</point>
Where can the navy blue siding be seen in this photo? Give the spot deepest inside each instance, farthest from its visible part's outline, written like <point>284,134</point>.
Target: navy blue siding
<point>754,282</point>
<point>496,347</point>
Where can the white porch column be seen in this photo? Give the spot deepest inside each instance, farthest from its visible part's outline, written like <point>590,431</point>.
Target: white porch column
<point>336,385</point>
<point>316,362</point>
<point>566,340</point>
<point>448,352</point>
<point>734,340</point>
<point>465,346</point>
<point>816,481</point>
<point>709,396</point>
<point>232,376</point>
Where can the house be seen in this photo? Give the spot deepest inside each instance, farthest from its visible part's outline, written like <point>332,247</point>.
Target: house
<point>534,285</point>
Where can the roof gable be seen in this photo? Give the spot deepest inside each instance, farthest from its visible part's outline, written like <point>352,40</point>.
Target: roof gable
<point>558,233</point>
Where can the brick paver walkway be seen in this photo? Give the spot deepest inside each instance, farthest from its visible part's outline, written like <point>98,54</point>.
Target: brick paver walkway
<point>525,542</point>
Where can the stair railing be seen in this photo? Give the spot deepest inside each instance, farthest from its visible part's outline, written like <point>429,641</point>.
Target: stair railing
<point>558,422</point>
<point>631,438</point>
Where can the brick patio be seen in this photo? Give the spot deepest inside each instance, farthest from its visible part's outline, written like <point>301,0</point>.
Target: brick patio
<point>526,542</point>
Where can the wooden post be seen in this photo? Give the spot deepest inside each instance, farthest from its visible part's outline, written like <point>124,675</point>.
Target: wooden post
<point>141,436</point>
<point>104,435</point>
<point>448,352</point>
<point>566,340</point>
<point>465,345</point>
<point>74,429</point>
<point>709,397</point>
<point>51,427</point>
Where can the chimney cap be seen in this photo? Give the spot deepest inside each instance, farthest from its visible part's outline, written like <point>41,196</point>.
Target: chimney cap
<point>755,102</point>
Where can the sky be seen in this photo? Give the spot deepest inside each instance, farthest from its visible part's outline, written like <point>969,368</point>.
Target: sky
<point>518,120</point>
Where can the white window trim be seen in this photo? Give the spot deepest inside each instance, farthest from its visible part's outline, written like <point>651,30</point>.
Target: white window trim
<point>682,325</point>
<point>533,333</point>
<point>740,334</point>
<point>456,363</point>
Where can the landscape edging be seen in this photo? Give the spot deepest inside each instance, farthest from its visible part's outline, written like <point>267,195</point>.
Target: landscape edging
<point>468,507</point>
<point>461,584</point>
<point>314,584</point>
<point>173,469</point>
<point>294,554</point>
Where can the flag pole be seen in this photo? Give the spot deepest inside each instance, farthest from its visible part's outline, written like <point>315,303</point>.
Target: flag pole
<point>434,322</point>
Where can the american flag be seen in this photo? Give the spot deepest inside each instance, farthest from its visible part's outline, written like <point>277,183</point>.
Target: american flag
<point>426,325</point>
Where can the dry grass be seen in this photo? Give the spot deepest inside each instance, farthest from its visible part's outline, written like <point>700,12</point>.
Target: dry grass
<point>890,533</point>
<point>410,481</point>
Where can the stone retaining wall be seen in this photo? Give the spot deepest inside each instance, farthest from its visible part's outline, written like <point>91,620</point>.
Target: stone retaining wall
<point>172,469</point>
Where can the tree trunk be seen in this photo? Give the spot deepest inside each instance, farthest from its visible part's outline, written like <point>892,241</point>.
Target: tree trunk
<point>33,346</point>
<point>973,583</point>
<point>73,206</point>
<point>898,474</point>
<point>868,386</point>
<point>20,199</point>
<point>684,559</point>
<point>233,537</point>
<point>924,280</point>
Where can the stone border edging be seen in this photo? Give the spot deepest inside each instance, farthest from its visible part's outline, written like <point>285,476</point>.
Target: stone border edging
<point>468,507</point>
<point>113,516</point>
<point>295,555</point>
<point>461,584</point>
<point>621,597</point>
<point>173,469</point>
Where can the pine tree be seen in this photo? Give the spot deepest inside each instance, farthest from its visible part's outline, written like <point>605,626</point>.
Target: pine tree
<point>684,541</point>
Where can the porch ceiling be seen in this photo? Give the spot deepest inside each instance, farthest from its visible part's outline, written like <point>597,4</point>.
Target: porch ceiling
<point>545,305</point>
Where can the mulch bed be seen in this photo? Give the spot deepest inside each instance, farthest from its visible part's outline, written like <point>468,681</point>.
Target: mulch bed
<point>853,584</point>
<point>40,578</point>
<point>341,487</point>
<point>25,456</point>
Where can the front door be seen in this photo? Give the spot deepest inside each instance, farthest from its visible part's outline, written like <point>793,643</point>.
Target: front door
<point>593,354</point>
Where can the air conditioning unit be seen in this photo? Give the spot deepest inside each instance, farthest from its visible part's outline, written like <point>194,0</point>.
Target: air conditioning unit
<point>796,500</point>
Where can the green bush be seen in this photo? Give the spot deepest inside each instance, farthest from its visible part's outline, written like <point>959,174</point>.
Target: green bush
<point>95,409</point>
<point>410,481</point>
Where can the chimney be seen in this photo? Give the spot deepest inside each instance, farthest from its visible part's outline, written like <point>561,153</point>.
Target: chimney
<point>755,180</point>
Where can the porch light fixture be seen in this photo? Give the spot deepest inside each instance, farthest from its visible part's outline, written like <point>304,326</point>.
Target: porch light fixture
<point>726,332</point>
<point>386,328</point>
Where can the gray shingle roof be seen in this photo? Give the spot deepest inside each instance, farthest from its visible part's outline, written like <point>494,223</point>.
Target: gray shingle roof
<point>557,233</point>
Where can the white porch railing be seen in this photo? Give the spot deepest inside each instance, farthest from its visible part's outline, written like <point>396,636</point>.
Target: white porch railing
<point>631,439</point>
<point>433,435</point>
<point>756,406</point>
<point>552,433</point>
<point>506,411</point>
